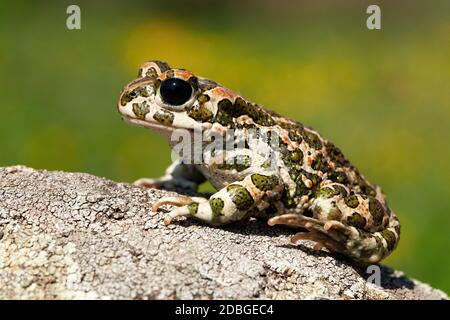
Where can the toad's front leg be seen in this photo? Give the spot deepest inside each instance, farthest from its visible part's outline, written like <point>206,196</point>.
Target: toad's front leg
<point>231,203</point>
<point>178,175</point>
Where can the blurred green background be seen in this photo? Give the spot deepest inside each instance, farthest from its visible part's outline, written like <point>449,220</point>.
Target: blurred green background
<point>382,96</point>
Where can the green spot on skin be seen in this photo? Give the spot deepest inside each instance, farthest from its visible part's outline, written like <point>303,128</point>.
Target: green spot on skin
<point>193,81</point>
<point>216,205</point>
<point>203,98</point>
<point>132,94</point>
<point>193,208</point>
<point>295,127</point>
<point>170,74</point>
<point>312,139</point>
<point>331,191</point>
<point>376,210</point>
<point>356,220</point>
<point>223,113</point>
<point>342,190</point>
<point>128,96</point>
<point>163,66</point>
<point>240,196</point>
<point>297,156</point>
<point>140,110</point>
<point>366,188</point>
<point>301,189</point>
<point>339,177</point>
<point>264,183</point>
<point>389,236</point>
<point>151,73</point>
<point>327,192</point>
<point>294,173</point>
<point>238,163</point>
<point>334,213</point>
<point>165,118</point>
<point>295,135</point>
<point>335,154</point>
<point>227,111</point>
<point>200,113</point>
<point>287,200</point>
<point>206,85</point>
<point>320,164</point>
<point>352,201</point>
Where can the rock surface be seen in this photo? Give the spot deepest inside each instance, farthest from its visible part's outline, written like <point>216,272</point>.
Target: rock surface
<point>77,236</point>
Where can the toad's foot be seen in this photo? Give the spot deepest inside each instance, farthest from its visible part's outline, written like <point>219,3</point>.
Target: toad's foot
<point>183,204</point>
<point>331,234</point>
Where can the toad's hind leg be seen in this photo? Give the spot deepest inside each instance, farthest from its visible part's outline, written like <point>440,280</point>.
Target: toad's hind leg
<point>361,246</point>
<point>358,226</point>
<point>325,234</point>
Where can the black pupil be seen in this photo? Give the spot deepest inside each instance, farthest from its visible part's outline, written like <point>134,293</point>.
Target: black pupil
<point>175,91</point>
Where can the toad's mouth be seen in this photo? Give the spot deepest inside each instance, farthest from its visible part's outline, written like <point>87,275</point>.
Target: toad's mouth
<point>154,125</point>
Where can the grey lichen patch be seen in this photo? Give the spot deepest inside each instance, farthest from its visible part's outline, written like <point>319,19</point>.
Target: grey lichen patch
<point>61,241</point>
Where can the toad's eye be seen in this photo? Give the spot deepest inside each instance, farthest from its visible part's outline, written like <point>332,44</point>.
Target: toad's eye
<point>175,91</point>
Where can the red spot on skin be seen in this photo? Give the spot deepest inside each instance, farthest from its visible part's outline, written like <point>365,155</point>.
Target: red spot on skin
<point>218,128</point>
<point>308,183</point>
<point>244,119</point>
<point>309,160</point>
<point>285,139</point>
<point>184,74</point>
<point>224,92</point>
